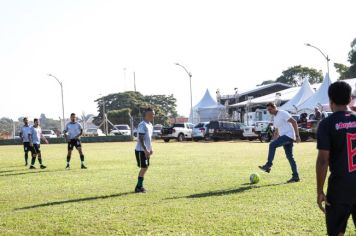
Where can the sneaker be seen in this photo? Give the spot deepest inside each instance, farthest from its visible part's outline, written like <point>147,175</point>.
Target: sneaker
<point>26,163</point>
<point>265,168</point>
<point>32,167</point>
<point>293,180</point>
<point>67,167</point>
<point>140,190</point>
<point>43,166</point>
<point>83,167</point>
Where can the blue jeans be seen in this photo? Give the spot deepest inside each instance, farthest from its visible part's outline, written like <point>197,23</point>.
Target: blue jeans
<point>287,144</point>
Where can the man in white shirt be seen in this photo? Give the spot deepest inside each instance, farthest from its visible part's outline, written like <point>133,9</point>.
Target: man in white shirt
<point>35,143</point>
<point>143,150</point>
<point>72,133</point>
<point>285,133</point>
<point>25,131</point>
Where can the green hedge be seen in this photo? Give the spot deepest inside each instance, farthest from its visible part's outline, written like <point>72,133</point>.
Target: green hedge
<point>99,139</point>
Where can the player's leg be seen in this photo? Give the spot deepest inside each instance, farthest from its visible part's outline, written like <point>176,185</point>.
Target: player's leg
<point>34,155</point>
<point>280,141</point>
<point>26,149</point>
<point>69,154</point>
<point>81,154</point>
<point>288,149</point>
<point>143,163</point>
<point>337,216</point>
<point>39,156</point>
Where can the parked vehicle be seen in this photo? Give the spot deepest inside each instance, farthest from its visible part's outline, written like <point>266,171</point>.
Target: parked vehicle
<point>93,132</point>
<point>121,130</point>
<point>157,131</point>
<point>266,134</point>
<point>225,130</point>
<point>200,131</point>
<point>179,131</point>
<point>48,133</point>
<point>249,133</point>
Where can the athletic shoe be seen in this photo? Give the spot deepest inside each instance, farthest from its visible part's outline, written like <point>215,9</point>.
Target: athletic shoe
<point>83,167</point>
<point>26,164</point>
<point>293,180</point>
<point>265,168</point>
<point>43,167</point>
<point>32,167</point>
<point>140,190</point>
<point>67,167</point>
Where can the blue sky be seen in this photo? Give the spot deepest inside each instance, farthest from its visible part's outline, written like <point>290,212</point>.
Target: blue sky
<point>225,44</point>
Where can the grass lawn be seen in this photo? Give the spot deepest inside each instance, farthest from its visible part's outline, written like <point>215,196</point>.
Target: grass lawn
<point>193,189</point>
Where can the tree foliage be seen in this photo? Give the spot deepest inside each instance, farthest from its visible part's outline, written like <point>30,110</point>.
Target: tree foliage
<point>343,71</point>
<point>352,59</point>
<point>295,75</point>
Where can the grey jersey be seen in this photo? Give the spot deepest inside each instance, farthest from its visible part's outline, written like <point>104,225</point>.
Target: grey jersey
<point>145,129</point>
<point>73,130</point>
<point>25,131</point>
<point>36,133</point>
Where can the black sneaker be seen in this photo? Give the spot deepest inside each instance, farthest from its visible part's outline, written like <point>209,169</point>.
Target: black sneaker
<point>43,166</point>
<point>265,168</point>
<point>140,190</point>
<point>67,167</point>
<point>293,180</point>
<point>83,167</point>
<point>26,163</point>
<point>32,167</point>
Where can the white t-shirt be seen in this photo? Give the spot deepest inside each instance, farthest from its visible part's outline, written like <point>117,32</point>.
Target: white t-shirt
<point>73,129</point>
<point>25,131</point>
<point>36,134</point>
<point>284,127</point>
<point>145,129</point>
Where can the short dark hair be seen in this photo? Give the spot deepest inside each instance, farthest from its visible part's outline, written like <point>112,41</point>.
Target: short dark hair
<point>24,118</point>
<point>36,119</point>
<point>271,104</point>
<point>72,114</point>
<point>340,93</point>
<point>148,109</point>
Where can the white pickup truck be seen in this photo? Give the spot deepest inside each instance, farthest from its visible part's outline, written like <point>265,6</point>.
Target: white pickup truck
<point>179,131</point>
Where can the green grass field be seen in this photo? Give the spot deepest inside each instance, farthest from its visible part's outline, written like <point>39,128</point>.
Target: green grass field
<point>193,189</point>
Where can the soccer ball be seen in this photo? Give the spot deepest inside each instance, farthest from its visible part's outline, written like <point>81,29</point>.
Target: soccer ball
<point>254,178</point>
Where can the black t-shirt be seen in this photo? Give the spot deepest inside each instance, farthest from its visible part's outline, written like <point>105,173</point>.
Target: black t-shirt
<point>337,133</point>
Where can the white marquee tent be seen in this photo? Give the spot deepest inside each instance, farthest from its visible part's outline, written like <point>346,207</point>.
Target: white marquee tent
<point>305,92</point>
<point>207,109</point>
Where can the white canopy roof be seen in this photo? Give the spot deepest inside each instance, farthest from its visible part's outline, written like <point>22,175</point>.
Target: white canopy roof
<point>319,97</point>
<point>207,109</point>
<point>305,92</point>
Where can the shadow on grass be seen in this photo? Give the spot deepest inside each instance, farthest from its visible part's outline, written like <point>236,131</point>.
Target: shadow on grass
<point>28,172</point>
<point>73,201</point>
<point>224,192</point>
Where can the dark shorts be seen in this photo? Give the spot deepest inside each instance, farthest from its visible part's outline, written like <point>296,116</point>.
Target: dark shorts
<point>26,147</point>
<point>74,143</point>
<point>142,160</point>
<point>337,216</point>
<point>36,148</point>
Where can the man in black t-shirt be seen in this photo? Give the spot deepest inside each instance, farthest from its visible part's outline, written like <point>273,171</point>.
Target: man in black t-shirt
<point>337,150</point>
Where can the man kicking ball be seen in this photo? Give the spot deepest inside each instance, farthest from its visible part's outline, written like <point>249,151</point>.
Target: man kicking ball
<point>143,150</point>
<point>285,132</point>
<point>72,134</point>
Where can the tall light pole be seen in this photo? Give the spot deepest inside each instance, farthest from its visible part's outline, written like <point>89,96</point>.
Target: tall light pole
<point>61,84</point>
<point>191,96</point>
<point>324,55</point>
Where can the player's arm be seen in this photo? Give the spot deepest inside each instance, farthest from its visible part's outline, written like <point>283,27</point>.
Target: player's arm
<point>295,127</point>
<point>322,164</point>
<point>30,139</point>
<point>65,134</point>
<point>44,138</point>
<point>21,137</point>
<point>141,138</point>
<point>275,133</point>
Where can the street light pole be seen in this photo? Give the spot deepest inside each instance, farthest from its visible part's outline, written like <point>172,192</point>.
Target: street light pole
<point>190,83</point>
<point>61,84</point>
<point>324,55</point>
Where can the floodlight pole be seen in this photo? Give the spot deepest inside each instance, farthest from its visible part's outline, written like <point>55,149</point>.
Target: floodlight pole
<point>191,96</point>
<point>324,55</point>
<point>61,84</point>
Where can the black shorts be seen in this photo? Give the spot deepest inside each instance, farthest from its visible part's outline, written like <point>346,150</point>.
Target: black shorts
<point>74,143</point>
<point>26,147</point>
<point>36,149</point>
<point>142,160</point>
<point>337,216</point>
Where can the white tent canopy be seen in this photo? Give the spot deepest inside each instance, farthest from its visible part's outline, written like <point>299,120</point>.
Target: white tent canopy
<point>207,109</point>
<point>302,95</point>
<point>320,97</point>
